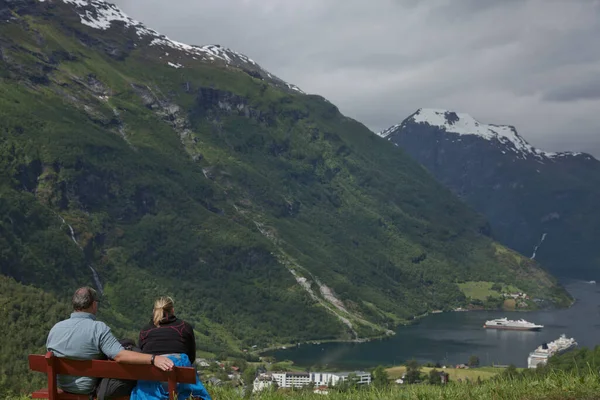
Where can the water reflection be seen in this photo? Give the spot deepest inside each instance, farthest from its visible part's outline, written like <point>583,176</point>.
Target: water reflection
<point>453,337</point>
<point>509,336</point>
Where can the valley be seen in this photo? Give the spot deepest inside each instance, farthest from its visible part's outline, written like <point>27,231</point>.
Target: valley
<point>144,167</point>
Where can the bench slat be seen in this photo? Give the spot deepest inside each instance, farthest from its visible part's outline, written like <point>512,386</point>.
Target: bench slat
<point>111,369</point>
<point>43,394</point>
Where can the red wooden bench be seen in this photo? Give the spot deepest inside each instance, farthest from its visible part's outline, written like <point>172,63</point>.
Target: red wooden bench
<point>51,365</point>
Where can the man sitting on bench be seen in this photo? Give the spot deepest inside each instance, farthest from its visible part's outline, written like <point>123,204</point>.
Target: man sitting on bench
<point>81,337</point>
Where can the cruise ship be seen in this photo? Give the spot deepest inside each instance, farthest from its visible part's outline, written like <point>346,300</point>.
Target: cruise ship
<point>508,324</point>
<point>547,350</point>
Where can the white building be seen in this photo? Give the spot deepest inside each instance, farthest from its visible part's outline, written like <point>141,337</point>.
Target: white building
<point>300,379</point>
<point>333,378</point>
<point>291,379</point>
<point>202,362</point>
<point>262,382</point>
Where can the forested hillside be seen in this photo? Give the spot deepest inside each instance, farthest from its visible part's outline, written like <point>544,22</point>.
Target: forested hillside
<point>147,167</point>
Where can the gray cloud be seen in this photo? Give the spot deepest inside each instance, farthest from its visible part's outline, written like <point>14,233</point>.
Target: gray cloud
<point>528,63</point>
<point>586,89</point>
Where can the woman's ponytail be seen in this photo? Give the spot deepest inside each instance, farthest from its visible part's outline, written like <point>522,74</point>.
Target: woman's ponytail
<point>162,308</point>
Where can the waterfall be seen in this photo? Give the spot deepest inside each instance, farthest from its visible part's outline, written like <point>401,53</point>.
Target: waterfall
<point>94,273</point>
<point>73,236</point>
<point>97,280</point>
<point>538,246</point>
<point>71,230</point>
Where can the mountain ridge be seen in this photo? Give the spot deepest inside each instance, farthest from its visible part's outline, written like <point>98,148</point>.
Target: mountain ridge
<point>103,15</point>
<point>447,120</point>
<point>530,196</point>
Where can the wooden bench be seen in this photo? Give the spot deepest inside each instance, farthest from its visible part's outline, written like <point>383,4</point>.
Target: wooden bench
<point>51,366</point>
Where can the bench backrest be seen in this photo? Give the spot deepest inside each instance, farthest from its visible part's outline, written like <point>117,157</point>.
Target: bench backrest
<point>51,365</point>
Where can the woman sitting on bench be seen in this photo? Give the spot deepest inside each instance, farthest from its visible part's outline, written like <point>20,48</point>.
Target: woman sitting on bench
<point>174,338</point>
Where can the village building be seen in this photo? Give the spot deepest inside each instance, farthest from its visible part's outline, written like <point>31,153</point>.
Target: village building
<point>202,362</point>
<point>516,296</point>
<point>214,381</point>
<point>291,379</point>
<point>321,390</point>
<point>333,378</point>
<point>301,379</point>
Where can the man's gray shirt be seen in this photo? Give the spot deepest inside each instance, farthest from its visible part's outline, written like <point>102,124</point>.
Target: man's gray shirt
<point>81,337</point>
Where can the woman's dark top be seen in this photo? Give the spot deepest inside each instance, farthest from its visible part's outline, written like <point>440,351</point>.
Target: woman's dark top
<point>172,336</point>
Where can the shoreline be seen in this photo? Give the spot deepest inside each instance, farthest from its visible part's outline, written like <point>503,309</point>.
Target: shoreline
<point>287,346</point>
<point>415,319</point>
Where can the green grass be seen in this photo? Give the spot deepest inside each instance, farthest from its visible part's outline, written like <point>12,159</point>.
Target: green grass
<point>471,373</point>
<point>481,290</point>
<point>554,387</point>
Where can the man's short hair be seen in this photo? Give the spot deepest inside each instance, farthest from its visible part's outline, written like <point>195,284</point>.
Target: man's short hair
<point>83,298</point>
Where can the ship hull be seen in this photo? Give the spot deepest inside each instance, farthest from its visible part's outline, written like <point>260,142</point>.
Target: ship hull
<point>534,359</point>
<point>513,328</point>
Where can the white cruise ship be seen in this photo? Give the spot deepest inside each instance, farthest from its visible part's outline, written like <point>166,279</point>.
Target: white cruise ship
<point>547,350</point>
<point>519,325</point>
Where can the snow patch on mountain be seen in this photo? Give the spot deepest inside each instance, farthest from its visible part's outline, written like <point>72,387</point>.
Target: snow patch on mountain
<point>465,124</point>
<point>99,14</point>
<point>389,131</point>
<point>177,66</point>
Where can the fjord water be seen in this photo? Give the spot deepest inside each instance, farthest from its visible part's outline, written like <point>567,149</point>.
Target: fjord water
<point>450,338</point>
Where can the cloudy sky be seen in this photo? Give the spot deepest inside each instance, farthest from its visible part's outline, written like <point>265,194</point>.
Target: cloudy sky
<point>534,64</point>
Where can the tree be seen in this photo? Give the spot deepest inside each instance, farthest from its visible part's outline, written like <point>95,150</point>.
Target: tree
<point>497,287</point>
<point>510,372</point>
<point>278,367</point>
<point>413,371</point>
<point>380,377</point>
<point>434,377</point>
<point>222,375</point>
<point>352,381</point>
<point>248,375</point>
<point>473,361</point>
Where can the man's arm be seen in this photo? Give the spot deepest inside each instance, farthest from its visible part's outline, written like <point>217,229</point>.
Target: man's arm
<point>132,357</point>
<point>110,346</point>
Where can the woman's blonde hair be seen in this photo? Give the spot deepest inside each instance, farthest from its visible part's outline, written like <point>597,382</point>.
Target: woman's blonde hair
<point>163,306</point>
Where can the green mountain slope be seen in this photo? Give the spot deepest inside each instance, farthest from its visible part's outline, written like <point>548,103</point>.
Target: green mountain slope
<point>25,314</point>
<point>543,205</point>
<point>165,169</point>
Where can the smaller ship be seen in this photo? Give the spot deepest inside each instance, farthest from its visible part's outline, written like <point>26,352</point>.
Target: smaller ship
<point>541,355</point>
<point>508,324</point>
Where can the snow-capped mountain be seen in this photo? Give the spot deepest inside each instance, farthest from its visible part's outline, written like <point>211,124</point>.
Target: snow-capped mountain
<point>526,193</point>
<point>101,15</point>
<point>463,124</point>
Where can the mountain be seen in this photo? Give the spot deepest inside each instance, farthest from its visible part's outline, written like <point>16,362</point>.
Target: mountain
<point>542,204</point>
<point>147,167</point>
